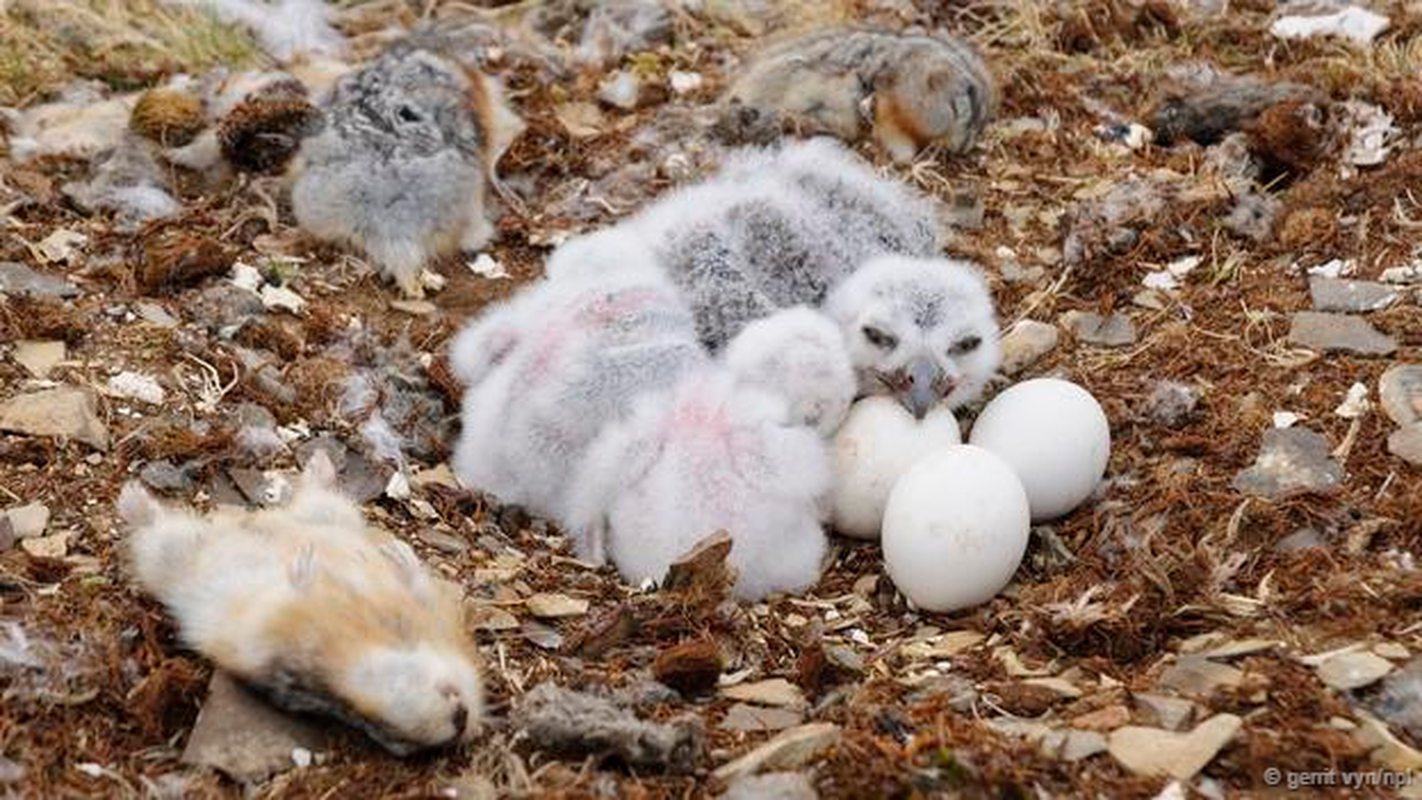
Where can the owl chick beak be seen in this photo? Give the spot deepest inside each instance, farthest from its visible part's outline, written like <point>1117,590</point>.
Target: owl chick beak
<point>924,385</point>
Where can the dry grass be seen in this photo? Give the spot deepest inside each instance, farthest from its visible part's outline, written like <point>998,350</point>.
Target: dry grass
<point>123,43</point>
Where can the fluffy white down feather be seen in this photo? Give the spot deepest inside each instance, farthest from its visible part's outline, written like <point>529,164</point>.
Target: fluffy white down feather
<point>709,454</point>
<point>549,368</point>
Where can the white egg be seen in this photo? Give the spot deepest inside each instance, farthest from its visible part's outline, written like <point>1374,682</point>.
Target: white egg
<point>955,529</point>
<point>877,443</point>
<point>1055,435</point>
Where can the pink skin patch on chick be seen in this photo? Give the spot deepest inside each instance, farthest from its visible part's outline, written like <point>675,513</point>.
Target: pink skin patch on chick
<point>600,313</point>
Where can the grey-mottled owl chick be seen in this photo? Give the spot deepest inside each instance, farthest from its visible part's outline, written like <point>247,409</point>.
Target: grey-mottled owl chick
<point>802,224</point>
<point>779,227</point>
<point>915,90</point>
<point>798,354</point>
<point>548,368</point>
<point>920,328</point>
<point>403,165</point>
<point>711,453</point>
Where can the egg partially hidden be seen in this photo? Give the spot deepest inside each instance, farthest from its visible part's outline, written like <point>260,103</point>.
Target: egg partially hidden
<point>955,528</point>
<point>1056,437</point>
<point>877,443</point>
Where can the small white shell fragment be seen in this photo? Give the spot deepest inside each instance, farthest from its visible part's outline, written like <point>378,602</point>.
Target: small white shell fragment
<point>134,386</point>
<point>246,276</point>
<point>282,298</point>
<point>485,266</point>
<point>1356,403</point>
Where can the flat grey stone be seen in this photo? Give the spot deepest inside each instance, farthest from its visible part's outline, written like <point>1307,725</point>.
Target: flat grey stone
<point>443,542</point>
<point>165,477</point>
<point>1170,404</point>
<point>253,485</point>
<point>1406,443</point>
<point>1301,539</point>
<point>155,314</point>
<point>1116,330</point>
<point>746,717</point>
<point>1157,752</point>
<point>791,749</point>
<point>1026,343</point>
<point>1337,294</point>
<point>28,521</point>
<point>1400,391</point>
<point>1199,676</point>
<point>1079,745</point>
<point>39,358</point>
<point>1339,333</point>
<point>66,412</point>
<point>1164,711</point>
<point>241,736</point>
<point>11,771</point>
<point>20,279</point>
<point>1400,699</point>
<point>772,786</point>
<point>1292,461</point>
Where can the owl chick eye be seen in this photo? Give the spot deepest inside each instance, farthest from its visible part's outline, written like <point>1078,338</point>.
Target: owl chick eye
<point>966,345</point>
<point>880,339</point>
<point>408,114</point>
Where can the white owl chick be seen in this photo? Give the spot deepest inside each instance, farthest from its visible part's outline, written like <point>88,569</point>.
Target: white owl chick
<point>550,367</point>
<point>800,355</point>
<point>922,330</point>
<point>710,454</point>
<point>777,228</point>
<point>314,608</point>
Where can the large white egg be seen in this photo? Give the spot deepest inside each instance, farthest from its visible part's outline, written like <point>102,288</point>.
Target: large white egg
<point>955,528</point>
<point>877,443</point>
<point>1055,435</point>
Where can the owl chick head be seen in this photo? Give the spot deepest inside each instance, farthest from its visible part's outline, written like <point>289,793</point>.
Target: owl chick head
<point>412,100</point>
<point>922,330</point>
<point>799,355</point>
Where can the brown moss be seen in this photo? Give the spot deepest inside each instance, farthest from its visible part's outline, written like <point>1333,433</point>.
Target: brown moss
<point>277,336</point>
<point>171,258</point>
<point>26,317</point>
<point>263,132</point>
<point>318,384</point>
<point>170,118</point>
<point>1308,228</point>
<point>691,668</point>
<point>1083,27</point>
<point>1289,138</point>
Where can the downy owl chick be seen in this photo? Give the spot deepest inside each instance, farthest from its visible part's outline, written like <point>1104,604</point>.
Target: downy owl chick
<point>914,90</point>
<point>709,454</point>
<point>549,367</point>
<point>779,227</point>
<point>315,609</point>
<point>920,329</point>
<point>403,167</point>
